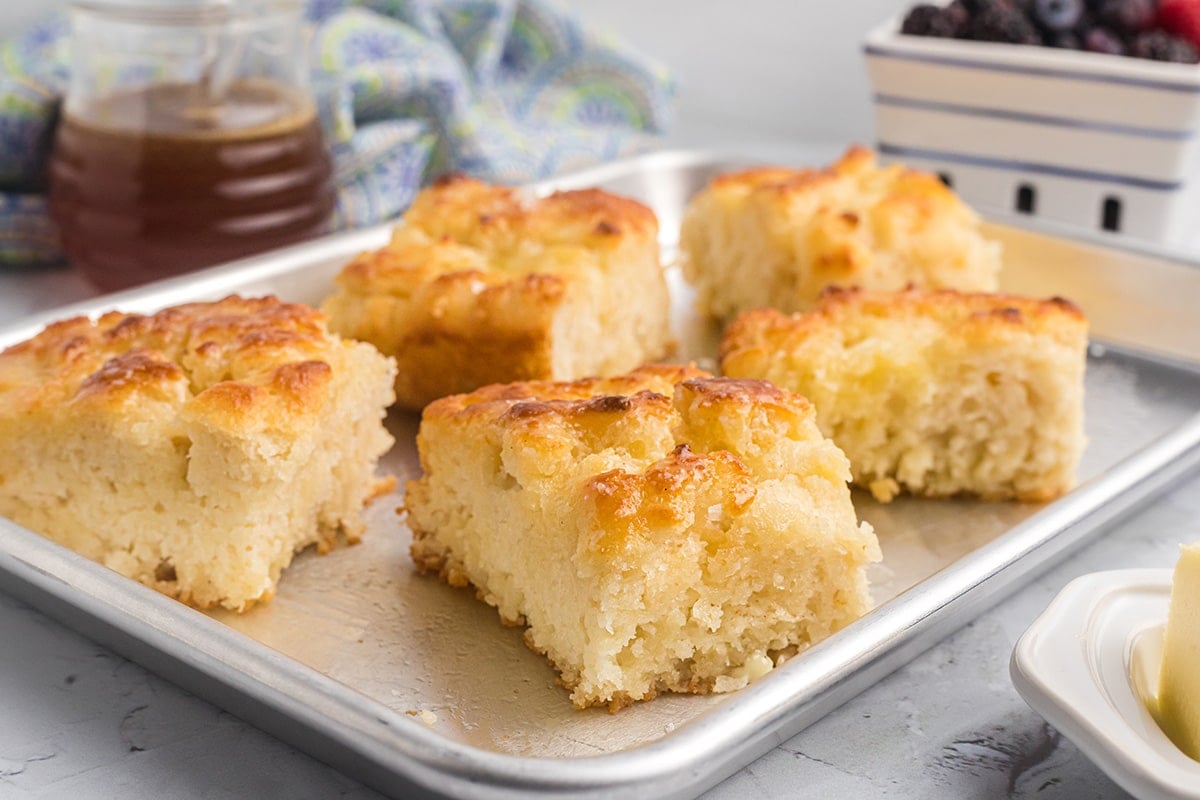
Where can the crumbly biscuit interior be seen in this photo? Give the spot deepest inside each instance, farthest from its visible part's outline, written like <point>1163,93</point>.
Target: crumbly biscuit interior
<point>934,393</point>
<point>194,451</point>
<point>683,538</point>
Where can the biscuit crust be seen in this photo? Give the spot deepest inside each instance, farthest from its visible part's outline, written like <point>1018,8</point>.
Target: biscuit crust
<point>659,531</point>
<point>933,392</point>
<point>778,236</point>
<point>195,449</point>
<point>480,285</point>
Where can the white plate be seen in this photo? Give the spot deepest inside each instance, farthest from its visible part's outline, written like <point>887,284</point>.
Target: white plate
<point>1089,664</point>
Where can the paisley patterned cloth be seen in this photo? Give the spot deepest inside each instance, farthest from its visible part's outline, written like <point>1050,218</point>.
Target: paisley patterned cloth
<point>508,90</point>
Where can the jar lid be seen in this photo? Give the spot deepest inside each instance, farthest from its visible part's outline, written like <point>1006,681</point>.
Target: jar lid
<point>152,5</point>
<point>184,3</point>
<point>185,10</point>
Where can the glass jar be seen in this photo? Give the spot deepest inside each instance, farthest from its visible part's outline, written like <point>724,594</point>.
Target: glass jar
<point>188,137</point>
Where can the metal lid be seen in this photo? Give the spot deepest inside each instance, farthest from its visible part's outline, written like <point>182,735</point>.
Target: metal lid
<point>184,11</point>
<point>153,5</point>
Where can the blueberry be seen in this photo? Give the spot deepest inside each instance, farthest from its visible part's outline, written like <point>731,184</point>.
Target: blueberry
<point>1057,15</point>
<point>1102,40</point>
<point>957,12</point>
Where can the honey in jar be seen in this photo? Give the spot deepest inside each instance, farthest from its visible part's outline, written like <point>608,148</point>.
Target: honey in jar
<point>157,176</point>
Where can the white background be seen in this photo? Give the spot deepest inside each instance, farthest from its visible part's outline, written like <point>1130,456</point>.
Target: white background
<point>774,69</point>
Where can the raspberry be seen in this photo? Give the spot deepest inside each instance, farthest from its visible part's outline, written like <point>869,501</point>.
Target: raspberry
<point>1162,46</point>
<point>1182,18</point>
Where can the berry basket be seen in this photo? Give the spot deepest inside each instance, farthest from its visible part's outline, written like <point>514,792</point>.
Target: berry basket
<point>1100,142</point>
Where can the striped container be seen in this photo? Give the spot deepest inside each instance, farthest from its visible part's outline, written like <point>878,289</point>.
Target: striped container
<point>1104,143</point>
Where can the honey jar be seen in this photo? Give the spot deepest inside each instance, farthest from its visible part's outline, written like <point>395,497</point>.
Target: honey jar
<point>188,137</point>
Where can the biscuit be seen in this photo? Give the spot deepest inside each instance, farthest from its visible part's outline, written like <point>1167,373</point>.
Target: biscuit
<point>777,236</point>
<point>197,449</point>
<point>934,393</point>
<point>480,286</point>
<point>659,531</point>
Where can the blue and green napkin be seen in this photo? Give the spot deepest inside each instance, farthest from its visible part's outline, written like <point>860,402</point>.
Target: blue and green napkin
<point>507,90</point>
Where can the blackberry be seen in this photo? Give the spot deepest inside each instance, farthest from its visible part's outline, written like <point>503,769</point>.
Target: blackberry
<point>1057,15</point>
<point>1127,16</point>
<point>1162,46</point>
<point>1001,23</point>
<point>1102,40</point>
<point>974,7</point>
<point>1065,40</point>
<point>928,20</point>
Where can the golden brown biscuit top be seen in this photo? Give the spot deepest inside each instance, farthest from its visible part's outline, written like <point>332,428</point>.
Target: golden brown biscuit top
<point>648,451</point>
<point>947,304</point>
<point>473,212</point>
<point>856,176</point>
<point>856,314</point>
<point>653,390</point>
<point>235,362</point>
<point>527,399</point>
<point>653,504</point>
<point>461,225</point>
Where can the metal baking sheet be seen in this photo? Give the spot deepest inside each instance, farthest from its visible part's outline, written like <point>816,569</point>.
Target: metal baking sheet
<point>406,683</point>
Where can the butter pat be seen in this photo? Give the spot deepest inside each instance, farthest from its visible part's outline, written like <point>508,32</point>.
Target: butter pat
<point>1179,681</point>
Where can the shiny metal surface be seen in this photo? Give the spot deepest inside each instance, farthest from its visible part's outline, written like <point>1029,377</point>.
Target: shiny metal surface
<point>355,646</point>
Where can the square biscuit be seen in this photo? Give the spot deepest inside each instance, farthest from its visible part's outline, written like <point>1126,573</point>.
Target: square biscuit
<point>933,393</point>
<point>659,531</point>
<point>480,285</point>
<point>197,449</point>
<point>777,236</point>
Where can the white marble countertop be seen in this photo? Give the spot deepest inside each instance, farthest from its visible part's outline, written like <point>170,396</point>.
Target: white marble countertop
<point>79,721</point>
